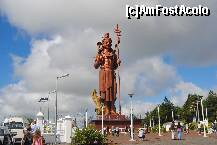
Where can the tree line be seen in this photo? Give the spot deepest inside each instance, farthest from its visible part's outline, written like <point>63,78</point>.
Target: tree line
<point>186,113</point>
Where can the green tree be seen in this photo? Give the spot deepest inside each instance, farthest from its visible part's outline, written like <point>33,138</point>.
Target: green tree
<point>190,106</point>
<point>166,109</point>
<point>211,104</point>
<point>165,112</point>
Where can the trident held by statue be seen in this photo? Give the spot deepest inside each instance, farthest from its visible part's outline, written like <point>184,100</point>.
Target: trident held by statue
<point>118,34</point>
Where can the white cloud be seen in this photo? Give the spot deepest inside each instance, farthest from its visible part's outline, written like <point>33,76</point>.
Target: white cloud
<point>182,89</point>
<point>139,108</point>
<point>149,77</point>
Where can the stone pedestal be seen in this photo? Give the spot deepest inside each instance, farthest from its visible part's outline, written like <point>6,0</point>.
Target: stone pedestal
<point>117,121</point>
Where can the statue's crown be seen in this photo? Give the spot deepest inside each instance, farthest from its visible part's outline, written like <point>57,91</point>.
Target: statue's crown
<point>106,38</point>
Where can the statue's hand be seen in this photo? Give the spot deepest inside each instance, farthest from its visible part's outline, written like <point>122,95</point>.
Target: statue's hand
<point>97,58</point>
<point>118,61</point>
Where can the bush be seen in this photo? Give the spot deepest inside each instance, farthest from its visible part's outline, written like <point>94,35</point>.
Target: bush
<point>88,136</point>
<point>156,129</point>
<point>193,126</point>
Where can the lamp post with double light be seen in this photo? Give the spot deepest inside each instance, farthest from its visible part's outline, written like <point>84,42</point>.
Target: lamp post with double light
<point>56,104</point>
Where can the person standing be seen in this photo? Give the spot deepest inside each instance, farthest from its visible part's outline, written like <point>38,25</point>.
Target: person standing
<point>199,128</point>
<point>34,127</point>
<point>215,127</point>
<point>126,129</point>
<point>37,138</point>
<point>27,136</point>
<point>141,134</point>
<point>107,130</point>
<point>113,130</point>
<point>117,131</point>
<point>179,131</point>
<point>186,128</point>
<point>172,128</point>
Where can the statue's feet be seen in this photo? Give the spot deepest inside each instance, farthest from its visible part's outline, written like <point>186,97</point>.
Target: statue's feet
<point>112,112</point>
<point>106,111</point>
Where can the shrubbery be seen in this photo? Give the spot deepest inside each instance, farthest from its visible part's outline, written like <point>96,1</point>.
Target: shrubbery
<point>193,126</point>
<point>88,136</point>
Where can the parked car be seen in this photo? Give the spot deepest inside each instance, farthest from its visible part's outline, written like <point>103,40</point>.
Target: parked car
<point>15,126</point>
<point>5,136</point>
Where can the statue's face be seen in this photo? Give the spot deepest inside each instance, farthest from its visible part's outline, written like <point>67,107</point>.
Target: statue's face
<point>106,43</point>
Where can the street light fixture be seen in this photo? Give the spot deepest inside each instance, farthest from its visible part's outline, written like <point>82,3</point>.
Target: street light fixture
<point>56,116</point>
<point>131,116</point>
<point>42,100</point>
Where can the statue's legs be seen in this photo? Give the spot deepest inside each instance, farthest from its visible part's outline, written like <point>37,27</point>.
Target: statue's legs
<point>106,110</point>
<point>113,109</point>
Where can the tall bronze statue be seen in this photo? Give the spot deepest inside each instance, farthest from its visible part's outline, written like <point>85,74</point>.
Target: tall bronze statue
<point>107,60</point>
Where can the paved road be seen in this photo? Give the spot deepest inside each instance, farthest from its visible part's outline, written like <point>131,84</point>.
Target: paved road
<point>153,139</point>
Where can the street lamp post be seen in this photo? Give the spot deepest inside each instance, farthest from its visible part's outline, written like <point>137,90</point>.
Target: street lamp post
<point>206,114</point>
<point>86,118</point>
<point>131,116</point>
<point>198,113</point>
<point>172,116</point>
<point>102,106</point>
<point>56,116</point>
<point>204,126</point>
<point>159,128</point>
<point>48,109</point>
<point>150,122</point>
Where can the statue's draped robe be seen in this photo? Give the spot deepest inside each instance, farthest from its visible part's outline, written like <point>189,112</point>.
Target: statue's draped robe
<point>107,79</point>
<point>107,85</point>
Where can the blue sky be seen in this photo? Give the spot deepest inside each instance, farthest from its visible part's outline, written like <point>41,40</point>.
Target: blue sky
<point>161,56</point>
<point>203,76</point>
<point>13,41</point>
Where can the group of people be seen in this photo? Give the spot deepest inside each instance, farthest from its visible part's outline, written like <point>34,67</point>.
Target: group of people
<point>32,135</point>
<point>176,129</point>
<point>115,131</point>
<point>211,129</point>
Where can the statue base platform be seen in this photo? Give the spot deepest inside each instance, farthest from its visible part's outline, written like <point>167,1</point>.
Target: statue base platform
<point>120,121</point>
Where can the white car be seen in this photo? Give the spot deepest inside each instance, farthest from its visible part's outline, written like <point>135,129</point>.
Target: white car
<point>15,126</point>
